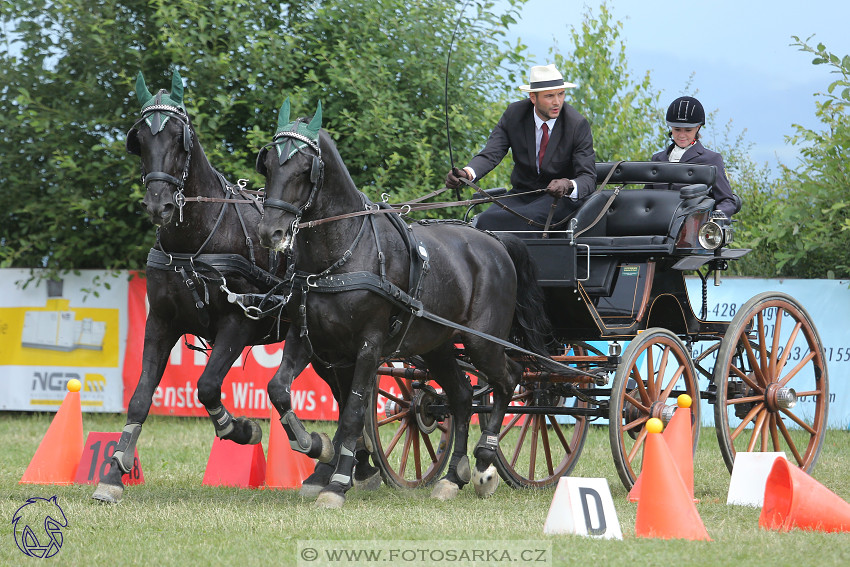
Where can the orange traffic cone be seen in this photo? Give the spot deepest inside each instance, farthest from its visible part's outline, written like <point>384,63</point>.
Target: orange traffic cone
<point>679,437</point>
<point>232,464</point>
<point>285,468</point>
<point>793,499</point>
<point>56,459</point>
<point>665,509</point>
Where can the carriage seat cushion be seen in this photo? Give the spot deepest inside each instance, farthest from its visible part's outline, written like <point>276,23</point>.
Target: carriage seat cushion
<point>639,218</point>
<point>635,212</point>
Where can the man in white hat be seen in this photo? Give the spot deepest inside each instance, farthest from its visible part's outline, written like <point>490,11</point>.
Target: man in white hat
<point>552,148</point>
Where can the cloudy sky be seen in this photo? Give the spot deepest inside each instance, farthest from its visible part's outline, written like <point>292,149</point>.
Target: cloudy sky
<point>736,53</point>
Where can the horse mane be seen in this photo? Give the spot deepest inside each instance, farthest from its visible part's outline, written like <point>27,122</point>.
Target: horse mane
<point>330,154</point>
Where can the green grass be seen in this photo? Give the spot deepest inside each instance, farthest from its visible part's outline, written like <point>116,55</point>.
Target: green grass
<point>174,520</point>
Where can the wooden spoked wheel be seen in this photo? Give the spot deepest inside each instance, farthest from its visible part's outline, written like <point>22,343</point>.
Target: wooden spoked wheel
<point>655,369</point>
<point>408,444</point>
<point>772,383</point>
<point>537,449</point>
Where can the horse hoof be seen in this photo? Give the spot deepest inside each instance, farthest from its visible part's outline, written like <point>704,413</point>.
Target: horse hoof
<point>485,483</point>
<point>310,490</point>
<point>327,453</point>
<point>330,500</point>
<point>372,482</point>
<point>445,490</point>
<point>256,432</point>
<point>109,493</point>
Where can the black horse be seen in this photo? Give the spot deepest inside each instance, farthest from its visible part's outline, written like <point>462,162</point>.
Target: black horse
<point>369,287</point>
<point>207,248</point>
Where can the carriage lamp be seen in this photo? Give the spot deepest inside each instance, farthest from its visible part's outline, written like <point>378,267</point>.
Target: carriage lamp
<point>710,235</point>
<point>716,232</point>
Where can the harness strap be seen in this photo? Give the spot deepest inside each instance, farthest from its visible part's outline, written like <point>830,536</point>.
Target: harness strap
<point>162,176</point>
<point>549,218</point>
<point>608,203</point>
<point>211,265</point>
<point>368,281</point>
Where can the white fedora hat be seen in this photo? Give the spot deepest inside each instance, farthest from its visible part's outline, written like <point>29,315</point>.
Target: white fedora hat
<point>544,78</point>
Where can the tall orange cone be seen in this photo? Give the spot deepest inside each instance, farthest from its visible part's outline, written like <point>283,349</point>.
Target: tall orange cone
<point>285,468</point>
<point>793,499</point>
<point>56,459</point>
<point>665,509</point>
<point>679,437</point>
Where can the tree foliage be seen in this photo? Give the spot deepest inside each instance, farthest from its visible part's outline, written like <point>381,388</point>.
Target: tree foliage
<point>811,223</point>
<point>67,69</point>
<point>624,112</point>
<point>66,101</point>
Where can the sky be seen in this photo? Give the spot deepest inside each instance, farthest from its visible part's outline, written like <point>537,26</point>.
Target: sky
<point>736,54</point>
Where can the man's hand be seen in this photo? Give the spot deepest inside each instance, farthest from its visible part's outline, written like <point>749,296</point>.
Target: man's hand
<point>559,187</point>
<point>453,178</point>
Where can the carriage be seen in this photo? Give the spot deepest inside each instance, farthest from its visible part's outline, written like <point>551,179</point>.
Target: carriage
<point>615,278</point>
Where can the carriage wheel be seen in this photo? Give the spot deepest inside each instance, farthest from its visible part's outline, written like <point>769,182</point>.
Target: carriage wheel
<point>772,383</point>
<point>654,371</point>
<point>535,450</point>
<point>409,446</point>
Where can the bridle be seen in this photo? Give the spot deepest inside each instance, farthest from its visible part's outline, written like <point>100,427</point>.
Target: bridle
<point>317,172</point>
<point>153,113</point>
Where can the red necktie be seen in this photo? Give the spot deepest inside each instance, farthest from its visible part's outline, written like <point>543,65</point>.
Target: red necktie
<point>544,141</point>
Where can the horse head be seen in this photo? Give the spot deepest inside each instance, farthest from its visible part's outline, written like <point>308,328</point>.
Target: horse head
<point>162,137</point>
<point>294,170</point>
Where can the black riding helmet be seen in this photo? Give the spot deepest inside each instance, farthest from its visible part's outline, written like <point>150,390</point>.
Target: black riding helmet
<point>685,112</point>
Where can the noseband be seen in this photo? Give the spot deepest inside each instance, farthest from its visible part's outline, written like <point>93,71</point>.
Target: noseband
<point>178,114</point>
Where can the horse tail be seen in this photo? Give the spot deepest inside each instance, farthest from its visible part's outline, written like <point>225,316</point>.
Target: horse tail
<point>531,328</point>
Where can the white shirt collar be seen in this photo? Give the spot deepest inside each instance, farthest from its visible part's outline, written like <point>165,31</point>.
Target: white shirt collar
<point>538,122</point>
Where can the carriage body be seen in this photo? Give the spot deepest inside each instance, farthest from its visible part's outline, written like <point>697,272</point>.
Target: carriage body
<point>617,275</point>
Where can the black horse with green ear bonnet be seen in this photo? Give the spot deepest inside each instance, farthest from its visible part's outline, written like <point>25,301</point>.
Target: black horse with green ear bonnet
<point>205,254</point>
<point>359,274</point>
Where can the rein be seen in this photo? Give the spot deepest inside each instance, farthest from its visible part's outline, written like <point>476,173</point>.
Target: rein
<point>416,205</point>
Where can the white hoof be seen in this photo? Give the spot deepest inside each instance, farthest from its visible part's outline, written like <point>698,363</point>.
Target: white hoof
<point>310,490</point>
<point>327,453</point>
<point>330,500</point>
<point>371,483</point>
<point>485,483</point>
<point>445,490</point>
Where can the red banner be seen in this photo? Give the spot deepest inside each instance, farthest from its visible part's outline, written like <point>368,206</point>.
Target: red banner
<point>244,388</point>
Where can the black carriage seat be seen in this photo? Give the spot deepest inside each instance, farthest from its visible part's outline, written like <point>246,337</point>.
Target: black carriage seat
<point>644,220</point>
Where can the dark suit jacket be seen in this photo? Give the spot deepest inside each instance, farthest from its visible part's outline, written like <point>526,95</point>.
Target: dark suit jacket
<point>569,153</point>
<point>724,199</point>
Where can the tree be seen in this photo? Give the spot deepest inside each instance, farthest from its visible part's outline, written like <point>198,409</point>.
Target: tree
<point>66,101</point>
<point>811,222</point>
<point>624,114</point>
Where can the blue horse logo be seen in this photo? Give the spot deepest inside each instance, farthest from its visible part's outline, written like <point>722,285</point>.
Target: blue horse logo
<point>38,527</point>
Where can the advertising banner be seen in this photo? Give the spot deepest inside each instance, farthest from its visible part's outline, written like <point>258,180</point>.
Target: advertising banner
<point>91,327</point>
<point>244,388</point>
<point>52,332</point>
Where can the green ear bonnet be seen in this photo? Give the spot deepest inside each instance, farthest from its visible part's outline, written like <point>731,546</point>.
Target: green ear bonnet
<point>168,102</point>
<point>298,133</point>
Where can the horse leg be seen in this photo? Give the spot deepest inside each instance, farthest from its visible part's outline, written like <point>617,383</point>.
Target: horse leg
<point>295,359</point>
<point>227,347</point>
<point>159,339</point>
<point>366,476</point>
<point>503,378</point>
<point>443,366</point>
<point>350,426</point>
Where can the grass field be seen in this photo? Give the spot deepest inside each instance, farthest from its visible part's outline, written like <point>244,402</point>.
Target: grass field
<point>174,520</point>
